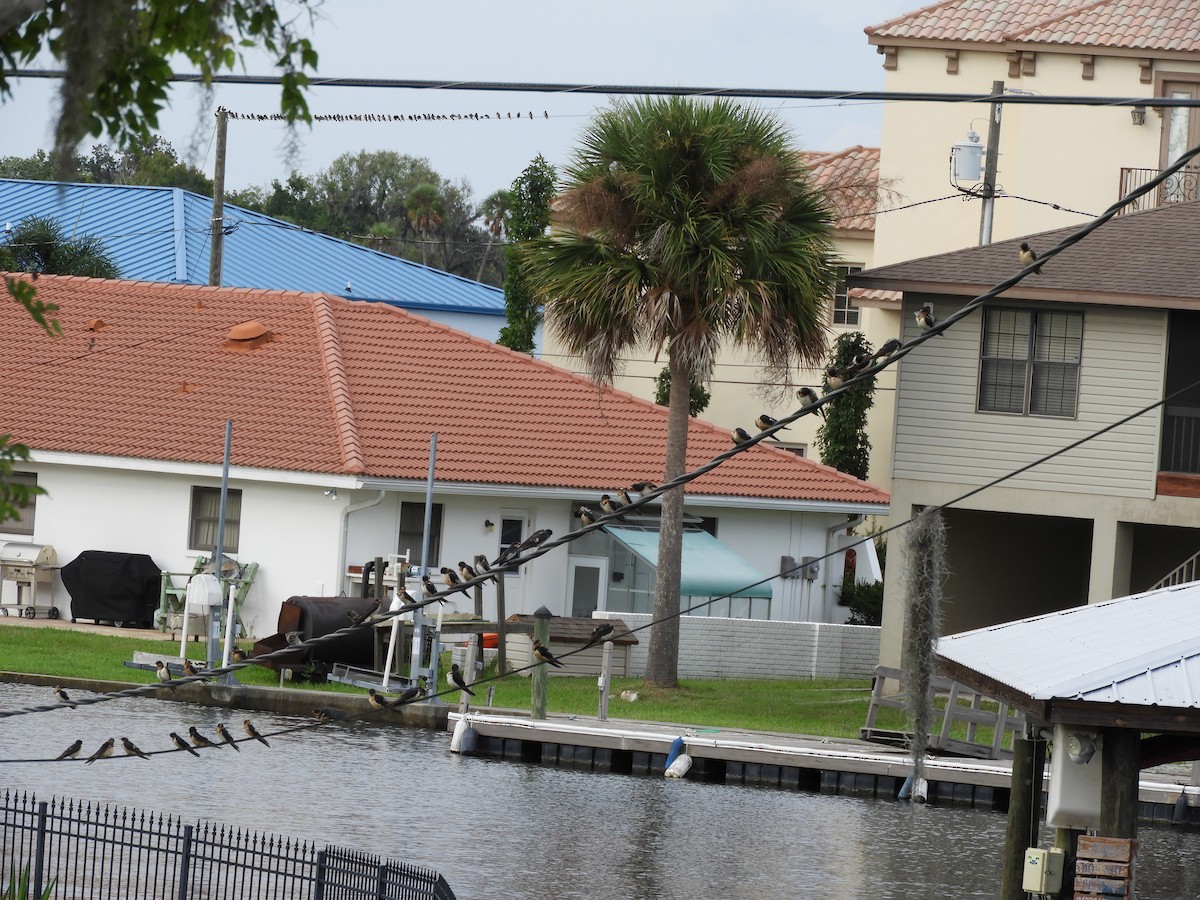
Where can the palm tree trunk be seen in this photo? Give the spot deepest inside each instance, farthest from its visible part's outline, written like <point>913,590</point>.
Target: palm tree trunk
<point>662,660</point>
<point>487,251</point>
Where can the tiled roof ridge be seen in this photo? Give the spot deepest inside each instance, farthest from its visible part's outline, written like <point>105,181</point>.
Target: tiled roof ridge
<point>895,20</point>
<point>339,386</point>
<point>1070,13</point>
<point>526,359</point>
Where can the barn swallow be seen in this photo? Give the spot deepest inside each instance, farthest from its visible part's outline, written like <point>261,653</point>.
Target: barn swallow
<point>163,674</point>
<point>536,539</point>
<point>377,700</point>
<point>483,566</point>
<point>182,744</point>
<point>253,732</point>
<point>72,751</point>
<point>226,736</point>
<point>456,679</point>
<point>887,348</point>
<point>586,516</point>
<point>131,749</point>
<point>542,652</point>
<point>427,587</point>
<point>643,486</point>
<point>740,435</point>
<point>808,397</point>
<point>862,361</point>
<point>623,496</point>
<point>191,671</point>
<point>413,693</point>
<point>198,739</point>
<point>327,714</point>
<point>105,751</point>
<point>506,554</point>
<point>924,317</point>
<point>357,618</point>
<point>834,377</point>
<point>452,580</point>
<point>237,654</point>
<point>62,697</point>
<point>599,633</point>
<point>609,505</point>
<point>763,422</point>
<point>467,572</point>
<point>1028,257</point>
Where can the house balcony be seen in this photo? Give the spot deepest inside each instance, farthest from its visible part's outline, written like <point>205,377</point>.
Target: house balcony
<point>1179,188</point>
<point>1179,453</point>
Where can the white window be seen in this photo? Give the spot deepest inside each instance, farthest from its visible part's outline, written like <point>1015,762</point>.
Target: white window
<point>1030,362</point>
<point>844,312</point>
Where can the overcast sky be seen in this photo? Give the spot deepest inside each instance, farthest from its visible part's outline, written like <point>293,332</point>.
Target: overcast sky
<point>799,44</point>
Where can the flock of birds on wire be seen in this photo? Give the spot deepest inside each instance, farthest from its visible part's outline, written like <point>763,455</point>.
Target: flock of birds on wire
<point>482,571</point>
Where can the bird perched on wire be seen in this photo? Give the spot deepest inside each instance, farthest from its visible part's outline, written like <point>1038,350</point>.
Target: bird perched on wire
<point>887,348</point>
<point>182,744</point>
<point>71,752</point>
<point>808,396</point>
<point>357,618</point>
<point>599,633</point>
<point>131,749</point>
<point>327,714</point>
<point>740,435</point>
<point>377,700</point>
<point>191,671</point>
<point>585,515</point>
<point>862,361</point>
<point>249,728</point>
<point>609,505</point>
<point>763,422</point>
<point>535,540</point>
<point>237,655</point>
<point>428,587</point>
<point>62,697</point>
<point>1028,257</point>
<point>416,692</point>
<point>643,487</point>
<point>105,751</point>
<point>452,580</point>
<point>924,317</point>
<point>834,377</point>
<point>542,652</point>
<point>163,674</point>
<point>484,567</point>
<point>225,736</point>
<point>198,739</point>
<point>469,572</point>
<point>623,496</point>
<point>455,678</point>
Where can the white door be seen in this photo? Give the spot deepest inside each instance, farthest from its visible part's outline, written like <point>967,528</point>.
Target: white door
<point>587,583</point>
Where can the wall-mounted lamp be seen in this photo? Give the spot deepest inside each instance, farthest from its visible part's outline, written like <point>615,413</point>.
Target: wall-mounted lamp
<point>489,525</point>
<point>1138,115</point>
<point>1080,747</point>
<point>331,493</point>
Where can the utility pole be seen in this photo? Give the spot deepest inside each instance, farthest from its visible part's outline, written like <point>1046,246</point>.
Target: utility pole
<point>217,247</point>
<point>991,158</point>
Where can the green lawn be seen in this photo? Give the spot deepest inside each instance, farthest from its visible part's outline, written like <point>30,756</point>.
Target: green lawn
<point>833,708</point>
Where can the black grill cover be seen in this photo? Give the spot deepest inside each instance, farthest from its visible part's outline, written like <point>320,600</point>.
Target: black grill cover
<point>113,587</point>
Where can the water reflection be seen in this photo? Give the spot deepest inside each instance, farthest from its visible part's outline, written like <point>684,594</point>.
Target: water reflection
<point>508,830</point>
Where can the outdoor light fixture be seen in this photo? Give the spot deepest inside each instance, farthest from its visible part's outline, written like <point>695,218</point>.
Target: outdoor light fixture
<point>488,525</point>
<point>331,493</point>
<point>1138,115</point>
<point>1080,748</point>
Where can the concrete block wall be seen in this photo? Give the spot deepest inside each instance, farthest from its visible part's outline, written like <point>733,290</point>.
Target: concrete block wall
<point>711,647</point>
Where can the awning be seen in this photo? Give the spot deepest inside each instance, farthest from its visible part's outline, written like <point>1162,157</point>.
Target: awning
<point>710,569</point>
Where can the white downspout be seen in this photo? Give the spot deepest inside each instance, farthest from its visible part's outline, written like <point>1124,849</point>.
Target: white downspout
<point>826,588</point>
<point>345,533</point>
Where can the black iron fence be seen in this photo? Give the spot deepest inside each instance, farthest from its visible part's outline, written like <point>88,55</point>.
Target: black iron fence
<point>1180,187</point>
<point>87,850</point>
<point>1180,450</point>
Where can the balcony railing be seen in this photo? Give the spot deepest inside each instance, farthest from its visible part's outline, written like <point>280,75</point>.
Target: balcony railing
<point>1180,450</point>
<point>1180,187</point>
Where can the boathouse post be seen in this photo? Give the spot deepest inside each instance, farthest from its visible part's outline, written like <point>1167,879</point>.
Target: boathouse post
<point>1024,810</point>
<point>537,693</point>
<point>469,673</point>
<point>1119,772</point>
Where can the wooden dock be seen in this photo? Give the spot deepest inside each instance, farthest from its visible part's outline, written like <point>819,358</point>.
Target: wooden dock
<point>776,760</point>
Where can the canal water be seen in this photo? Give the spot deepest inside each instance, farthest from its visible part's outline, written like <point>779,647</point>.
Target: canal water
<point>499,829</point>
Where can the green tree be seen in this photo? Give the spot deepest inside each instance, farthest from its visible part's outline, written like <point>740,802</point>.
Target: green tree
<point>683,225</point>
<point>528,218</point>
<point>697,399</point>
<point>494,212</point>
<point>148,161</point>
<point>842,439</point>
<point>117,57</point>
<point>425,209</point>
<point>39,244</point>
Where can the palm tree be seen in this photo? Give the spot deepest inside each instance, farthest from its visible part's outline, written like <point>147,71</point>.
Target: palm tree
<point>684,224</point>
<point>425,207</point>
<point>494,211</point>
<point>38,244</point>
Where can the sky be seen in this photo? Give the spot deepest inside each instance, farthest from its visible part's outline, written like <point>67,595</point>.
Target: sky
<point>797,44</point>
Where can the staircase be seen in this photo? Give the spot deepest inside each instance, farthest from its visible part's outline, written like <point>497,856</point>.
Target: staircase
<point>1186,572</point>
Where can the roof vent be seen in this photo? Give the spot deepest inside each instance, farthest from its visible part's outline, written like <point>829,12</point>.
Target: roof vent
<point>97,325</point>
<point>248,336</point>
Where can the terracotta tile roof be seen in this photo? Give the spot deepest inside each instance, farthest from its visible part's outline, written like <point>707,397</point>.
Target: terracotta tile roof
<point>1109,265</point>
<point>1136,24</point>
<point>342,387</point>
<point>850,178</point>
<point>874,296</point>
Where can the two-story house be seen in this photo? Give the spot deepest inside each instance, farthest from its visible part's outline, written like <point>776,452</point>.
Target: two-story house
<point>1108,330</point>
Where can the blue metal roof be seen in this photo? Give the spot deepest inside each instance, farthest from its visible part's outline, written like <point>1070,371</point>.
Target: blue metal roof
<point>162,234</point>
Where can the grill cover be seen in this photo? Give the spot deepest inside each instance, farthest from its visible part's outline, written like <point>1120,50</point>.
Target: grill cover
<point>113,587</point>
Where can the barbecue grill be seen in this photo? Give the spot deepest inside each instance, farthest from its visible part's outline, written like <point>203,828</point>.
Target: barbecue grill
<point>27,579</point>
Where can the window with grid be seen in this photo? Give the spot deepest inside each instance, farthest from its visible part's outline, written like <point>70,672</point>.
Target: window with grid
<point>1030,362</point>
<point>23,523</point>
<point>844,312</point>
<point>206,513</point>
<point>412,531</point>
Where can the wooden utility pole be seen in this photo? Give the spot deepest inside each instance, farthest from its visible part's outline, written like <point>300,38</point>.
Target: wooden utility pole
<point>541,632</point>
<point>990,163</point>
<point>217,246</point>
<point>1024,809</point>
